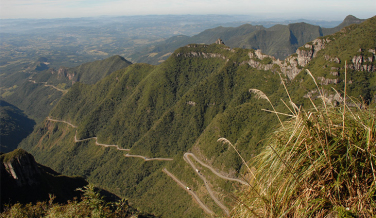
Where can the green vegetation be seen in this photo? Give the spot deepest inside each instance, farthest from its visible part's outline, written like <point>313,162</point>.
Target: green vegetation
<point>88,73</point>
<point>199,94</point>
<point>14,126</point>
<point>91,204</point>
<point>24,181</point>
<point>319,163</point>
<point>352,41</point>
<point>279,41</point>
<point>36,94</point>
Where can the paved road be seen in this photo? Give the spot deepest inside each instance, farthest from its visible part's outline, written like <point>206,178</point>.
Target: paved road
<point>149,158</point>
<point>181,184</point>
<point>106,145</point>
<point>61,121</point>
<point>213,170</point>
<point>186,158</point>
<point>220,204</point>
<point>45,84</point>
<point>81,140</point>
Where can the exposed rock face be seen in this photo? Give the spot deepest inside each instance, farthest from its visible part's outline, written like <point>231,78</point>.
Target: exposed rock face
<point>363,63</point>
<point>192,103</point>
<point>63,73</point>
<point>219,42</point>
<point>201,54</point>
<point>325,81</point>
<point>294,63</point>
<point>24,180</point>
<point>332,59</point>
<point>255,58</point>
<point>23,169</point>
<point>310,50</point>
<point>290,67</point>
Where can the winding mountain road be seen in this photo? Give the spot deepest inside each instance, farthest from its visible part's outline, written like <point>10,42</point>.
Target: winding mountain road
<point>52,86</point>
<point>149,158</point>
<point>181,184</point>
<point>186,155</point>
<point>220,204</point>
<point>106,145</point>
<point>61,121</point>
<point>186,158</point>
<point>100,144</point>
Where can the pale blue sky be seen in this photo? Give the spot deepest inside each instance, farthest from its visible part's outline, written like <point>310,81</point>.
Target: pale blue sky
<point>289,9</point>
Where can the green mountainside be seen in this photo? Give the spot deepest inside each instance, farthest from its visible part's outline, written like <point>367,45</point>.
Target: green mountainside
<point>14,126</point>
<point>199,94</point>
<point>88,73</point>
<point>279,41</point>
<point>29,189</point>
<point>39,91</point>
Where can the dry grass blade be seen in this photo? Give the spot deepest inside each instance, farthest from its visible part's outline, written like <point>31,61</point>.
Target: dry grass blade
<point>288,94</point>
<point>335,174</point>
<point>261,95</point>
<point>318,89</point>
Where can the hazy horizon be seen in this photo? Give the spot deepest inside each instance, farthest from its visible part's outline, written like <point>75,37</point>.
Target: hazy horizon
<point>331,10</point>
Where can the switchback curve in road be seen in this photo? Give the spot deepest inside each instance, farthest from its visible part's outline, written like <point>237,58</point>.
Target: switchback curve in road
<point>214,171</point>
<point>106,145</point>
<point>220,204</point>
<point>181,184</point>
<point>81,140</point>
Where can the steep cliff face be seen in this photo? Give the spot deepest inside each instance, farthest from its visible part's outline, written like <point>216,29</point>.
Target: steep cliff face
<point>22,168</point>
<point>24,180</point>
<point>309,51</point>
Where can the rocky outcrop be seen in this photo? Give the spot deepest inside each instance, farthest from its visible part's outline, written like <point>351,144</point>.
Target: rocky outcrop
<point>310,50</point>
<point>332,59</point>
<point>261,61</point>
<point>63,73</point>
<point>219,42</point>
<point>256,60</point>
<point>325,81</point>
<point>22,168</point>
<point>293,64</point>
<point>23,180</point>
<point>363,62</point>
<point>192,103</point>
<point>201,54</point>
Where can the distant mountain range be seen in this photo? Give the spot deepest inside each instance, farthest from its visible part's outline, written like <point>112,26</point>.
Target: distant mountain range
<point>279,40</point>
<point>124,131</point>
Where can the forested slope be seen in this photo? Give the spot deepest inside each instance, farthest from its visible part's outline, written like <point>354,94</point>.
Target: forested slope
<point>200,93</point>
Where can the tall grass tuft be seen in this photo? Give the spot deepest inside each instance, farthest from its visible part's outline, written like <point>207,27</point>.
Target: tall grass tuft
<point>321,163</point>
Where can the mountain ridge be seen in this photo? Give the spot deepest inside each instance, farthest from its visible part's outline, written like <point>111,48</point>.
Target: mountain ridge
<point>246,36</point>
<point>199,94</point>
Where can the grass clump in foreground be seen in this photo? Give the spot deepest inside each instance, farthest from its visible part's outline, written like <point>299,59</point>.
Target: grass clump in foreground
<point>320,163</point>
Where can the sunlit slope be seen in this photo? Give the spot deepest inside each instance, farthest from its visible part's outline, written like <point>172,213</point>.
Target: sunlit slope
<point>200,93</point>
